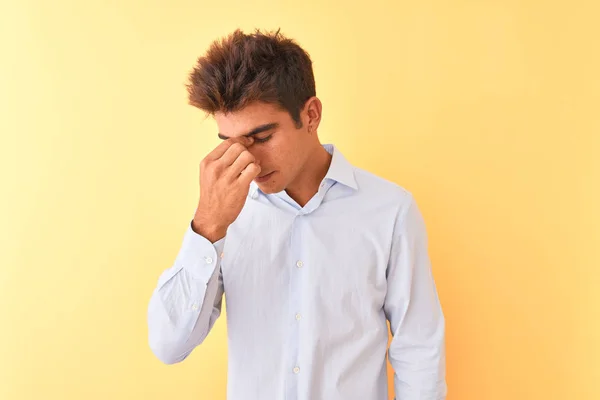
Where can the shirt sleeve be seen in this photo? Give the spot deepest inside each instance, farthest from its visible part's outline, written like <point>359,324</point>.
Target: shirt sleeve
<point>187,299</point>
<point>412,306</point>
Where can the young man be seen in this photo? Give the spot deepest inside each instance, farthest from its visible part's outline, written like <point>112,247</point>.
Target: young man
<point>313,254</point>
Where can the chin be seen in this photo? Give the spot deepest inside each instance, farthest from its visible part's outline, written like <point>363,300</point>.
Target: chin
<point>269,187</point>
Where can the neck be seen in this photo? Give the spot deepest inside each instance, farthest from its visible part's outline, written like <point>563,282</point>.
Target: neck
<point>306,185</point>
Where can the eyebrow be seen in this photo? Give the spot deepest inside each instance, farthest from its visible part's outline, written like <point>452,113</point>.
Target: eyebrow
<point>255,131</point>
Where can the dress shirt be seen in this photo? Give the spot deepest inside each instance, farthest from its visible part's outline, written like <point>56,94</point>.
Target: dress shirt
<point>309,292</point>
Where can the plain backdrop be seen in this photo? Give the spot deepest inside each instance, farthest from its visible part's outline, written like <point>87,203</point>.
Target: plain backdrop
<point>487,111</point>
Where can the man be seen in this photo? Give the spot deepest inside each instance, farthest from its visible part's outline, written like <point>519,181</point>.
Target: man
<point>313,254</point>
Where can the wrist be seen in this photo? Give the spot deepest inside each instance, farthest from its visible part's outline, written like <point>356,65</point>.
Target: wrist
<point>211,231</point>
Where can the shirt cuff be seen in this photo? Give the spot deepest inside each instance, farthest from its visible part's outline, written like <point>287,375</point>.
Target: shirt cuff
<point>199,256</point>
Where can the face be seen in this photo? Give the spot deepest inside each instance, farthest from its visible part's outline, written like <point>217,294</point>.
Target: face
<point>281,147</point>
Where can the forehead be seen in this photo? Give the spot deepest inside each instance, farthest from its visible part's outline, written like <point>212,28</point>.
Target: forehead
<point>239,123</point>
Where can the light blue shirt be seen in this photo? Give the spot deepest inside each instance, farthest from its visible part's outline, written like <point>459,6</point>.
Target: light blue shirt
<point>309,290</point>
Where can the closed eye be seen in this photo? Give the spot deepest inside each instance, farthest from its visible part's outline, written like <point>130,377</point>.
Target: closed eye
<point>262,140</point>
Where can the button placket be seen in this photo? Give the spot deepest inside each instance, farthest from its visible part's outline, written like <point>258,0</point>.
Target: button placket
<point>297,272</point>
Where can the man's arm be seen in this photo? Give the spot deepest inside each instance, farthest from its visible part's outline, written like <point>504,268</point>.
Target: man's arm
<point>187,300</point>
<point>417,350</point>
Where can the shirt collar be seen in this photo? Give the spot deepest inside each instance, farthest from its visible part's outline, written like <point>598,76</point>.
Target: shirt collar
<point>340,170</point>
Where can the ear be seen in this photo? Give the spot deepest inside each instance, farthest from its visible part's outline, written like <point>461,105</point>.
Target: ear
<point>313,109</point>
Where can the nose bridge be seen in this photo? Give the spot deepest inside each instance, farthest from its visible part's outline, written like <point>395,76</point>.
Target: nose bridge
<point>257,153</point>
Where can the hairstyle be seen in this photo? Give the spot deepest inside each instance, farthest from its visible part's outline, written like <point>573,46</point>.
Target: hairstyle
<point>243,68</point>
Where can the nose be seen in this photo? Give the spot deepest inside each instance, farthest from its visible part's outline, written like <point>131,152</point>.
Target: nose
<point>255,151</point>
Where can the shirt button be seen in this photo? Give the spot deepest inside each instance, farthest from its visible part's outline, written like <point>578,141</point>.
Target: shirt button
<point>296,370</point>
<point>208,260</point>
<point>194,307</point>
<point>298,317</point>
<point>222,255</point>
<point>299,264</point>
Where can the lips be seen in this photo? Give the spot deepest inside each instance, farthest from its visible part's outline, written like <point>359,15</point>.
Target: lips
<point>264,177</point>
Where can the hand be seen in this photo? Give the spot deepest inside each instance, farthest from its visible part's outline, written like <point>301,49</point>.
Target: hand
<point>225,177</point>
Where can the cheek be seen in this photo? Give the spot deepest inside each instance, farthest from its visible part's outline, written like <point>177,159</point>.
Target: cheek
<point>264,152</point>
<point>279,153</point>
<point>269,151</point>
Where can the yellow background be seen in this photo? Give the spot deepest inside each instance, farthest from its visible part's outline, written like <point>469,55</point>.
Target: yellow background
<point>488,111</point>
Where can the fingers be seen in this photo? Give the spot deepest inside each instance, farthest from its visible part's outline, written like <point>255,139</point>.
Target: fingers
<point>222,148</point>
<point>232,160</point>
<point>240,163</point>
<point>249,173</point>
<point>233,153</point>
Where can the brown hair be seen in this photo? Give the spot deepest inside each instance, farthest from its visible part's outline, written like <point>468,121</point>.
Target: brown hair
<point>243,68</point>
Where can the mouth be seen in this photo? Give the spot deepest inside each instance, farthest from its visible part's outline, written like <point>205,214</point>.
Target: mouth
<point>265,177</point>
